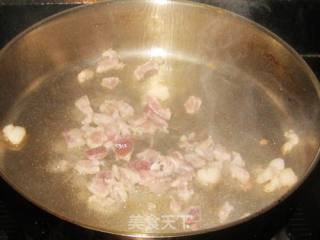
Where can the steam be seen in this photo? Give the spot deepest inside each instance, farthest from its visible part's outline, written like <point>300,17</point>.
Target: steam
<point>243,7</point>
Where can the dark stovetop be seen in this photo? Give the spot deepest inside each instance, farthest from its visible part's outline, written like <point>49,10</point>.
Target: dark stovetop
<point>296,21</point>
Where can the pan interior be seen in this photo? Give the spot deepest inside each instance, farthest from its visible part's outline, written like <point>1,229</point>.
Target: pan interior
<point>237,112</point>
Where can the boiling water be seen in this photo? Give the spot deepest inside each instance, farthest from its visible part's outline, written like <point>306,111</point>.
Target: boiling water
<point>234,113</point>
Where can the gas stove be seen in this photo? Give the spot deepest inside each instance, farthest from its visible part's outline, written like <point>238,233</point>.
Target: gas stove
<point>296,21</point>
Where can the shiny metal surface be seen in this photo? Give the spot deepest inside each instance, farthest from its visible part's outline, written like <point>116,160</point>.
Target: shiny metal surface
<point>255,86</point>
<point>46,2</point>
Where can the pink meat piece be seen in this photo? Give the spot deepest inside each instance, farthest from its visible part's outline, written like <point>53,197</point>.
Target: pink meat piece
<point>123,148</point>
<point>237,160</point>
<point>205,148</point>
<point>157,114</point>
<point>110,61</point>
<point>176,155</point>
<point>119,192</point>
<point>101,119</point>
<point>162,167</point>
<point>87,167</point>
<point>181,165</point>
<point>116,109</point>
<point>155,119</point>
<point>195,160</point>
<point>101,184</point>
<point>124,128</point>
<point>185,193</point>
<point>83,104</point>
<point>155,107</point>
<point>112,134</point>
<point>125,109</point>
<point>221,154</point>
<point>240,174</point>
<point>110,108</point>
<point>110,82</point>
<point>95,137</point>
<point>110,53</point>
<point>143,162</point>
<point>181,181</point>
<point>129,177</point>
<point>187,142</point>
<point>140,165</point>
<point>151,66</point>
<point>149,155</point>
<point>157,186</point>
<point>143,125</point>
<point>74,138</point>
<point>97,153</point>
<point>192,105</point>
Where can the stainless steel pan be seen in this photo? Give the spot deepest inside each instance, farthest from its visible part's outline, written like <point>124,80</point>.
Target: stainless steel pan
<point>255,85</point>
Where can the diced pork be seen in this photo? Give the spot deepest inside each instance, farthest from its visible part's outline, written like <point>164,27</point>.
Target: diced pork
<point>195,160</point>
<point>83,104</point>
<point>292,141</point>
<point>110,61</point>
<point>130,176</point>
<point>192,105</point>
<point>110,108</point>
<point>116,109</point>
<point>140,165</point>
<point>205,149</point>
<point>185,193</point>
<point>155,107</point>
<point>237,169</point>
<point>264,142</point>
<point>276,176</point>
<point>159,91</point>
<point>288,178</point>
<point>97,153</point>
<point>209,175</point>
<point>103,120</point>
<point>221,154</point>
<point>151,66</point>
<point>100,184</point>
<point>240,174</point>
<point>88,167</point>
<point>225,211</point>
<point>162,167</point>
<point>237,160</point>
<point>110,53</point>
<point>187,142</point>
<point>143,125</point>
<point>157,186</point>
<point>264,176</point>
<point>110,82</point>
<point>123,148</point>
<point>95,137</point>
<point>14,134</point>
<point>277,164</point>
<point>119,192</point>
<point>85,75</point>
<point>125,109</point>
<point>74,138</point>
